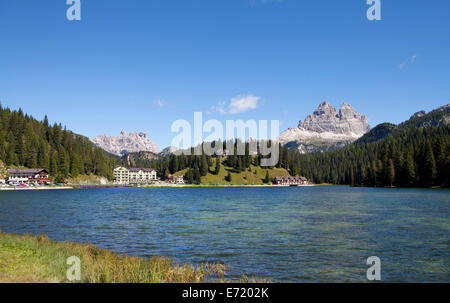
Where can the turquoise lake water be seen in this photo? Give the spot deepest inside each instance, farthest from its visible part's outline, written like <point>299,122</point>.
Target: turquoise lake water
<point>307,234</point>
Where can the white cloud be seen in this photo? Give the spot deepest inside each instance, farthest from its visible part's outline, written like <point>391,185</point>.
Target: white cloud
<point>238,104</point>
<point>220,108</point>
<point>160,103</point>
<point>241,104</point>
<point>410,60</point>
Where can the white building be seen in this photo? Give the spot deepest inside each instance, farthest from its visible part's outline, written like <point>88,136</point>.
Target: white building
<point>123,175</point>
<point>176,179</point>
<point>142,175</point>
<point>28,175</point>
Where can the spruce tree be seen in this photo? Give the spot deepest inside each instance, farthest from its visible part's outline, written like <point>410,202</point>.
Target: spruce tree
<point>267,178</point>
<point>228,178</point>
<point>390,173</point>
<point>204,166</point>
<point>430,165</point>
<point>217,169</point>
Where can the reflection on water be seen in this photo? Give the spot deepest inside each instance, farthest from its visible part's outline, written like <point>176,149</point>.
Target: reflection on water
<point>281,234</point>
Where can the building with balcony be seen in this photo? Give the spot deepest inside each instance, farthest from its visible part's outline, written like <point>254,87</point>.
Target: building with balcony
<point>123,175</point>
<point>290,181</point>
<point>28,175</point>
<point>176,179</point>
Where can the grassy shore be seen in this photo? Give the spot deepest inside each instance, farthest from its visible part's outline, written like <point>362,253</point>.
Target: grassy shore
<point>27,258</point>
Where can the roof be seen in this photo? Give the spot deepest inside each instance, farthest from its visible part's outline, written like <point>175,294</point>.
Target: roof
<point>290,178</point>
<point>119,166</point>
<point>26,170</point>
<point>135,169</point>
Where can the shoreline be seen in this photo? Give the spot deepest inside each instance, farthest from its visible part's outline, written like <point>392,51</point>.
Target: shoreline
<point>98,186</point>
<point>188,186</point>
<point>38,259</point>
<point>17,188</point>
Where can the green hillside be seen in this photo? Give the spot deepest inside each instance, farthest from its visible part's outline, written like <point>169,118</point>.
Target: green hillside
<point>414,153</point>
<point>254,175</point>
<point>27,142</point>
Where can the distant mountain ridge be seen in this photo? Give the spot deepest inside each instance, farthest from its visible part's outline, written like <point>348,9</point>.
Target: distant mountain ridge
<point>421,119</point>
<point>326,129</point>
<point>126,143</point>
<point>413,153</point>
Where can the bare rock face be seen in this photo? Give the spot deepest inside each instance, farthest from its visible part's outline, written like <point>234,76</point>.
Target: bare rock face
<point>126,143</point>
<point>443,108</point>
<point>168,151</point>
<point>441,116</point>
<point>419,114</point>
<point>326,129</point>
<point>327,119</point>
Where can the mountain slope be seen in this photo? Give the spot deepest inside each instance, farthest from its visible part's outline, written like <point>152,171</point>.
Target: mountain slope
<point>126,143</point>
<point>326,129</point>
<point>421,119</point>
<point>27,142</point>
<point>379,132</point>
<point>254,175</point>
<point>140,159</point>
<point>414,153</point>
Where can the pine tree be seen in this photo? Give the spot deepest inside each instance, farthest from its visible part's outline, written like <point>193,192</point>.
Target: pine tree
<point>228,178</point>
<point>267,178</point>
<point>197,175</point>
<point>430,165</point>
<point>410,171</point>
<point>390,173</point>
<point>217,169</point>
<point>352,178</point>
<point>204,166</point>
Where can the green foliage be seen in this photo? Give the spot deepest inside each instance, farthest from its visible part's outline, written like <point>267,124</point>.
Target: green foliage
<point>406,157</point>
<point>27,142</point>
<point>217,169</point>
<point>228,178</point>
<point>27,258</point>
<point>267,178</point>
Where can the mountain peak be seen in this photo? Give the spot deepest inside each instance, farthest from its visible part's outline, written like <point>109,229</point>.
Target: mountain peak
<point>126,143</point>
<point>346,105</point>
<point>328,126</point>
<point>327,119</point>
<point>325,104</point>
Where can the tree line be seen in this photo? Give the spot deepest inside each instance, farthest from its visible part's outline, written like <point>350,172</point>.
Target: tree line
<point>27,142</point>
<point>411,157</point>
<point>412,154</point>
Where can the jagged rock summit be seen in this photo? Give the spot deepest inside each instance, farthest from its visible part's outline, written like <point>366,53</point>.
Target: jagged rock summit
<point>126,143</point>
<point>326,129</point>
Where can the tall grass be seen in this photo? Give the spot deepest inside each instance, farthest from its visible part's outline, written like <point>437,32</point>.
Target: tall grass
<point>26,258</point>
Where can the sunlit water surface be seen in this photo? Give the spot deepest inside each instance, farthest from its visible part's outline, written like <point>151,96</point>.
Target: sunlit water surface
<point>322,234</point>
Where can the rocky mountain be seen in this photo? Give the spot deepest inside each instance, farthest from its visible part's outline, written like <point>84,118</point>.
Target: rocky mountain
<point>126,143</point>
<point>168,151</point>
<point>326,129</point>
<point>421,119</point>
<point>140,159</point>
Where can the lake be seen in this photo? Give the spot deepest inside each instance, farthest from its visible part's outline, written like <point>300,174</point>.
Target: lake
<point>297,234</point>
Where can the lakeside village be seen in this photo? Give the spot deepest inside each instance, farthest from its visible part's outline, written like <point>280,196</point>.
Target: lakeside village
<point>123,176</point>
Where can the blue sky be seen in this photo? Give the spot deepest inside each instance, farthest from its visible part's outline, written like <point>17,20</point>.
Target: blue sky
<point>139,65</point>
